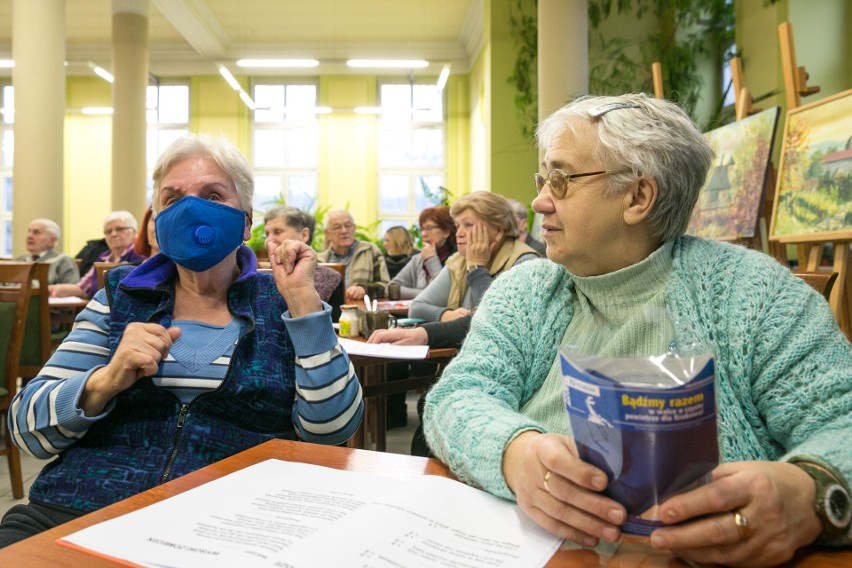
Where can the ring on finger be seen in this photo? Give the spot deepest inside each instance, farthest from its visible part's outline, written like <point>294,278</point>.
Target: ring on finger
<point>742,523</point>
<point>546,479</point>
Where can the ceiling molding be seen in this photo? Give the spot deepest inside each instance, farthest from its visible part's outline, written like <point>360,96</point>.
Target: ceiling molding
<point>195,21</point>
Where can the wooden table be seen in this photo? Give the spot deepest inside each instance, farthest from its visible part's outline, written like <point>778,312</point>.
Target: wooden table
<point>372,372</point>
<point>42,550</point>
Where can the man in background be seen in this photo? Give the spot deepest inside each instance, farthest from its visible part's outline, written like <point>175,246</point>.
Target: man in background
<point>366,271</point>
<point>42,236</point>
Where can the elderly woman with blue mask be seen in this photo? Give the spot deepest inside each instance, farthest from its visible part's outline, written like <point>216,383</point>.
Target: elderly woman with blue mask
<point>618,183</point>
<point>186,359</point>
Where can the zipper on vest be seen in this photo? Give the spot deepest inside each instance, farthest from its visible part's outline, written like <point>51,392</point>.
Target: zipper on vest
<point>181,417</point>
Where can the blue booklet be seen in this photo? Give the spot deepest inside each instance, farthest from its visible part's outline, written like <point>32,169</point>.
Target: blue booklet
<point>649,423</point>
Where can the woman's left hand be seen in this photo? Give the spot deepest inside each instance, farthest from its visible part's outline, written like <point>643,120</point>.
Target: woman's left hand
<point>775,498</point>
<point>479,247</point>
<point>293,266</point>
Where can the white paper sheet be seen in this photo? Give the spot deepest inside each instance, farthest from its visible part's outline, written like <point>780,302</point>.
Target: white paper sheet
<point>292,515</point>
<point>384,350</point>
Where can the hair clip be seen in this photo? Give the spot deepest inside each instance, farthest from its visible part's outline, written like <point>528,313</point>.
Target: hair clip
<point>601,110</point>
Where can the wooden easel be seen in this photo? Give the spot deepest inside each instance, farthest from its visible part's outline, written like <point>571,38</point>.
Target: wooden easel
<point>809,248</point>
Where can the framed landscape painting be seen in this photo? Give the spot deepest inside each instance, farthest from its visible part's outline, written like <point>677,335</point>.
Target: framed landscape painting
<point>728,207</point>
<point>813,201</point>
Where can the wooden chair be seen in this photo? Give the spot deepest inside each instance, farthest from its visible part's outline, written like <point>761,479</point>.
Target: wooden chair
<point>101,268</point>
<point>15,294</point>
<point>36,347</point>
<point>338,266</point>
<point>822,282</point>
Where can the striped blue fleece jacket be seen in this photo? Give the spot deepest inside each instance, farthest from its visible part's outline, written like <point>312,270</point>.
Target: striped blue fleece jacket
<point>286,378</point>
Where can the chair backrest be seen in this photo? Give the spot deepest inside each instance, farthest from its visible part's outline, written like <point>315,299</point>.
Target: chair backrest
<point>338,266</point>
<point>15,286</point>
<point>101,268</point>
<point>822,282</point>
<point>35,350</point>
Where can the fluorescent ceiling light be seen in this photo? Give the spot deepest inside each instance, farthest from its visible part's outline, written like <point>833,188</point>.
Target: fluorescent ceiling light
<point>247,99</point>
<point>389,63</point>
<point>101,72</point>
<point>367,110</point>
<point>442,78</point>
<point>223,71</point>
<point>7,63</point>
<point>277,63</point>
<point>96,110</point>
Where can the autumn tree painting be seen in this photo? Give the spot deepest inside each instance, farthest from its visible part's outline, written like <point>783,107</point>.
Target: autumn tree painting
<point>815,184</point>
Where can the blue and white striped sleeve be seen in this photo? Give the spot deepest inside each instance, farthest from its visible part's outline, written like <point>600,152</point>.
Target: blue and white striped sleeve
<point>329,406</point>
<point>44,418</point>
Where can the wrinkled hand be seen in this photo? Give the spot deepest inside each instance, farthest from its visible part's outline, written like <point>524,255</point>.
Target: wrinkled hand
<point>775,497</point>
<point>571,505</point>
<point>455,314</point>
<point>479,248</point>
<point>142,347</point>
<point>355,293</point>
<point>293,266</point>
<point>400,336</point>
<point>428,251</point>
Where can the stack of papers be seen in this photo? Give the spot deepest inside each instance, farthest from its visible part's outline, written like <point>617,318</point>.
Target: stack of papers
<point>384,350</point>
<point>295,515</point>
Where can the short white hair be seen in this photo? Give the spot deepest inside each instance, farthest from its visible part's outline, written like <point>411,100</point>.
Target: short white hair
<point>50,227</point>
<point>643,136</point>
<point>326,222</point>
<point>122,215</point>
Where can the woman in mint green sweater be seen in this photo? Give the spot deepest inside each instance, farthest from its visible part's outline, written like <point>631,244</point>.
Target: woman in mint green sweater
<point>622,175</point>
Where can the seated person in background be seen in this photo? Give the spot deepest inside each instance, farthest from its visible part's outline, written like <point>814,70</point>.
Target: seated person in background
<point>439,243</point>
<point>620,178</point>
<point>488,246</point>
<point>120,232</point>
<point>398,249</point>
<point>284,223</point>
<point>522,216</point>
<point>192,356</point>
<point>90,253</point>
<point>365,263</point>
<point>145,244</point>
<point>42,236</point>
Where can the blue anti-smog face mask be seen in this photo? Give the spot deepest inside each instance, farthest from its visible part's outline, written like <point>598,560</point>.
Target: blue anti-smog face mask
<point>198,234</point>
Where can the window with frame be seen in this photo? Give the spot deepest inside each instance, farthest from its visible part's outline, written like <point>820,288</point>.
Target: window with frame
<point>285,145</point>
<point>7,153</point>
<point>167,115</point>
<point>411,151</point>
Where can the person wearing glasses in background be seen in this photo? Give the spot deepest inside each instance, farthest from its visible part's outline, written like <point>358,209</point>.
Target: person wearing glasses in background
<point>365,263</point>
<point>42,236</point>
<point>120,233</point>
<point>439,243</point>
<point>487,239</point>
<point>619,181</point>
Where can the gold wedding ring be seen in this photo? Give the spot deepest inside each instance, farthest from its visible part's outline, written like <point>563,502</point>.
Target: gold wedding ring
<point>742,524</point>
<point>546,479</point>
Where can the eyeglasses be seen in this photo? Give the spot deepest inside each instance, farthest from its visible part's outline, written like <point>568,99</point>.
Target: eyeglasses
<point>558,180</point>
<point>341,228</point>
<point>425,228</point>
<point>108,232</point>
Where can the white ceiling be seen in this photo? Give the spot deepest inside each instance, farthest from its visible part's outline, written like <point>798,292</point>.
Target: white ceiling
<point>191,36</point>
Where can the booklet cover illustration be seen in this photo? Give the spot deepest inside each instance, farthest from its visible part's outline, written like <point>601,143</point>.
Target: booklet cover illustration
<point>649,423</point>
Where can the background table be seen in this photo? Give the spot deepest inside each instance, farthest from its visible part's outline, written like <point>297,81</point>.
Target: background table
<point>42,550</point>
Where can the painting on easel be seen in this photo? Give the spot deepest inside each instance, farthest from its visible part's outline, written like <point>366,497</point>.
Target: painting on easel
<point>813,201</point>
<point>728,207</point>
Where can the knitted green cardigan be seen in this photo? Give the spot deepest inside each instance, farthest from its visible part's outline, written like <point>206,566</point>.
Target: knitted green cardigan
<point>783,367</point>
